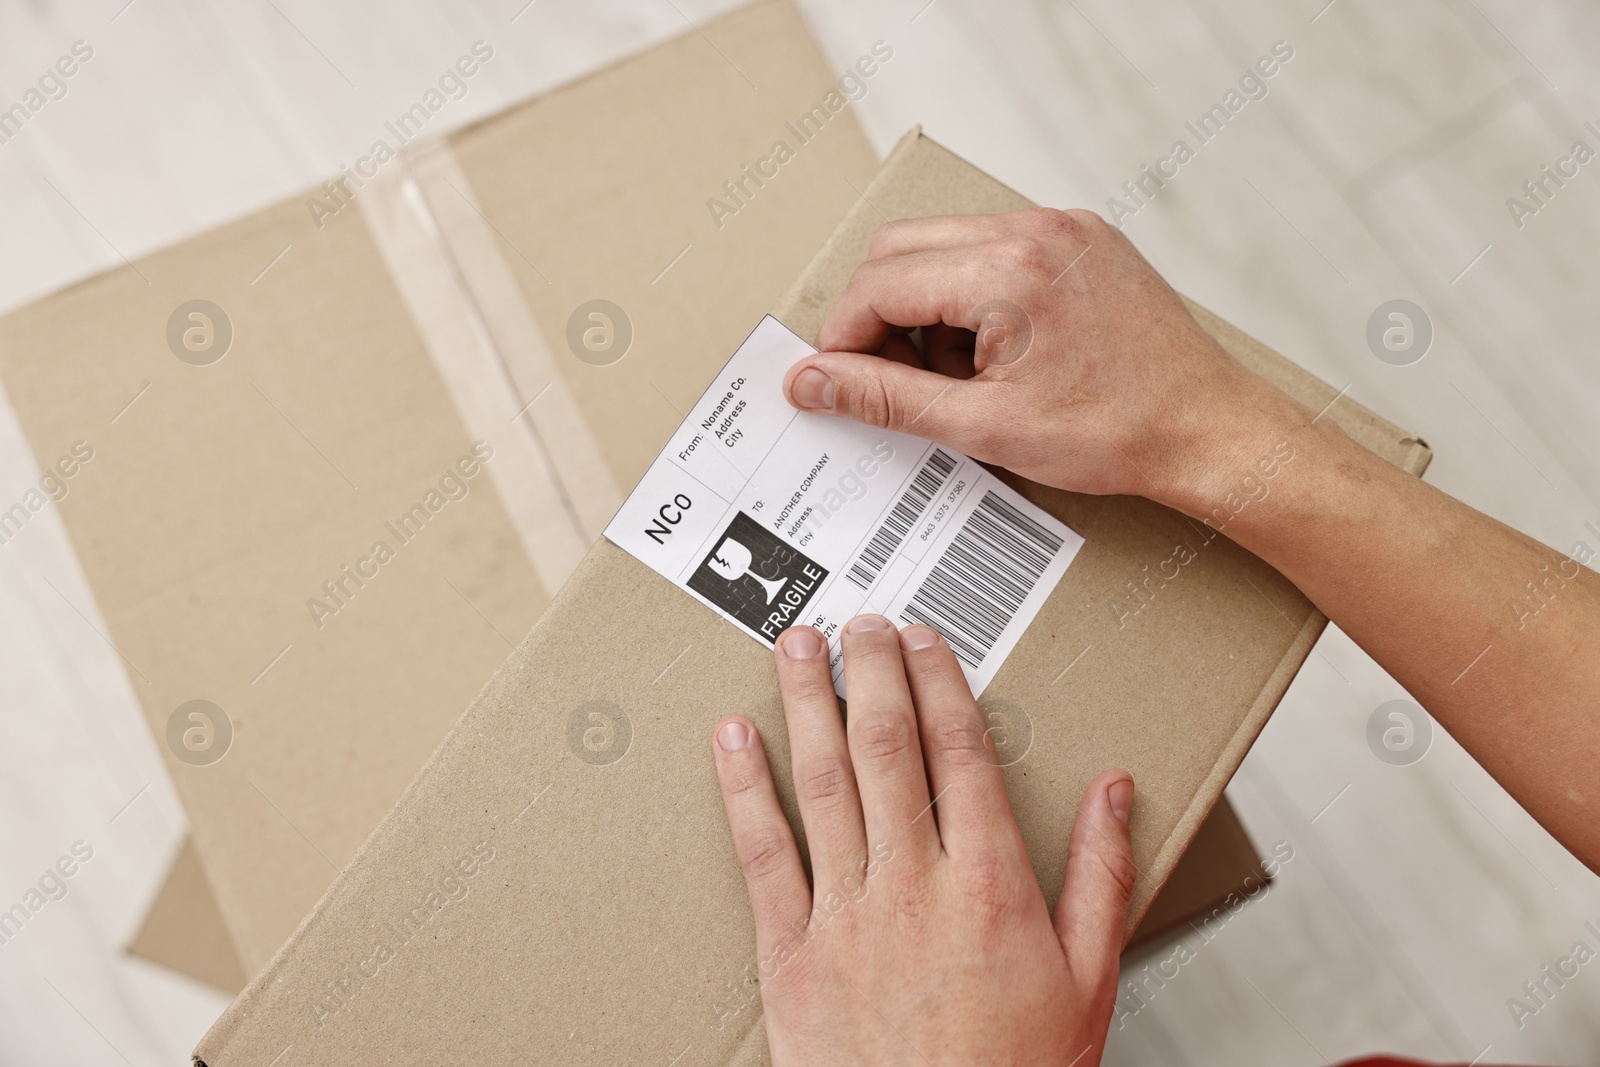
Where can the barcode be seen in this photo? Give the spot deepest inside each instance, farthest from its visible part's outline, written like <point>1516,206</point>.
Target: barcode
<point>904,515</point>
<point>984,575</point>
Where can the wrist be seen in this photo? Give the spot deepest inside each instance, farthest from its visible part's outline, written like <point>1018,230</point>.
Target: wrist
<point>1231,451</point>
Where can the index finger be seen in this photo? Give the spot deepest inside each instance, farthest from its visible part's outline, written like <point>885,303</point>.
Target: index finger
<point>921,289</point>
<point>904,237</point>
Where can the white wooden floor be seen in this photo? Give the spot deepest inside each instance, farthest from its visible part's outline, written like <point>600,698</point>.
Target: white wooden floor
<point>1419,898</point>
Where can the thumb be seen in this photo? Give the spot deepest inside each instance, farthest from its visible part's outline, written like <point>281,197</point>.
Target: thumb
<point>886,393</point>
<point>1100,874</point>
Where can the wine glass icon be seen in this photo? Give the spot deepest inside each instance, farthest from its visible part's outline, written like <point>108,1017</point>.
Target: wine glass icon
<point>732,560</point>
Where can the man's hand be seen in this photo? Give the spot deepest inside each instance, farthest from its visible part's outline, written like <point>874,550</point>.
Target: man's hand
<point>1050,347</point>
<point>923,937</point>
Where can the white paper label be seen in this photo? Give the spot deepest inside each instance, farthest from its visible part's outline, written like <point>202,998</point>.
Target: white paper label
<point>774,517</point>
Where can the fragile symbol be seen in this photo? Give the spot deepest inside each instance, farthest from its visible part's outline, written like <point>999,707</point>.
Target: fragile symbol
<point>760,580</point>
<point>732,560</point>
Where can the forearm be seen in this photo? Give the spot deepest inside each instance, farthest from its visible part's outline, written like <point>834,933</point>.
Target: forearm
<point>1117,389</point>
<point>1495,634</point>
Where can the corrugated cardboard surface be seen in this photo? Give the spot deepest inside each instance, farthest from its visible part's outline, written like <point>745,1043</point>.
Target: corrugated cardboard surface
<point>1216,871</point>
<point>223,496</point>
<point>599,188</point>
<point>184,929</point>
<point>604,918</point>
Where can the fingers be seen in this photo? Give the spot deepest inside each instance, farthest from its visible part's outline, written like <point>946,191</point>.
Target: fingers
<point>1100,873</point>
<point>884,747</point>
<point>969,792</point>
<point>779,895</point>
<point>909,236</point>
<point>904,237</point>
<point>899,348</point>
<point>948,350</point>
<point>939,269</point>
<point>944,285</point>
<point>881,392</point>
<point>824,779</point>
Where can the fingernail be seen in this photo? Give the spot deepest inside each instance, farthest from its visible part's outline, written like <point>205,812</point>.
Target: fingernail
<point>913,638</point>
<point>733,736</point>
<point>812,389</point>
<point>801,642</point>
<point>864,623</point>
<point>1121,796</point>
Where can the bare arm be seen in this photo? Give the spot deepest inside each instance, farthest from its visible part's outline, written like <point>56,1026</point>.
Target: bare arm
<point>1120,391</point>
<point>1495,634</point>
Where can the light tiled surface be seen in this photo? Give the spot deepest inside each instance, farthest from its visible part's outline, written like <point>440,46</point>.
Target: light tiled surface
<point>1378,166</point>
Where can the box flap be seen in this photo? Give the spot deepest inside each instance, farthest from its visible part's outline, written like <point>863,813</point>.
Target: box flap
<point>227,521</point>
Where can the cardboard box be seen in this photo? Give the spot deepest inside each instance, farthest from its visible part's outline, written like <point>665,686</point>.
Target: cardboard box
<point>185,932</point>
<point>537,897</point>
<point>1221,868</point>
<point>499,162</point>
<point>527,172</point>
<point>377,332</point>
